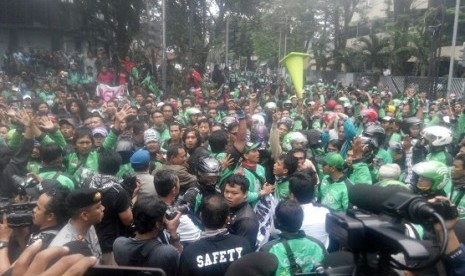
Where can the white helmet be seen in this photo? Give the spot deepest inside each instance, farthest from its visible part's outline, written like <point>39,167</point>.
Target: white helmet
<point>258,119</point>
<point>438,135</point>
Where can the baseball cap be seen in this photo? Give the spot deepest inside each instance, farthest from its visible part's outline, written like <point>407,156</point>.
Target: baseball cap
<point>140,157</point>
<point>27,97</point>
<point>100,130</point>
<point>68,121</point>
<point>249,146</point>
<point>334,159</point>
<point>151,135</point>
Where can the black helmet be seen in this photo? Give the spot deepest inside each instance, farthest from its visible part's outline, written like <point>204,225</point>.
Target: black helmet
<point>227,121</point>
<point>208,166</point>
<point>407,123</point>
<point>314,138</point>
<point>376,132</point>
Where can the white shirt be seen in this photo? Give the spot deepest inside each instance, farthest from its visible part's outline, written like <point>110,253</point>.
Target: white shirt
<point>314,222</point>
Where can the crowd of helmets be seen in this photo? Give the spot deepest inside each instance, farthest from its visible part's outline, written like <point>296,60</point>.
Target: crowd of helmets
<point>391,125</point>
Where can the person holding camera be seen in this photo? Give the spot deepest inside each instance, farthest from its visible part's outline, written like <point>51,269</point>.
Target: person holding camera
<point>167,187</point>
<point>48,217</point>
<point>145,248</point>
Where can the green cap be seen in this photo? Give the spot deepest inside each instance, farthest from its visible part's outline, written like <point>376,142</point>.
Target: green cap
<point>249,146</point>
<point>334,159</point>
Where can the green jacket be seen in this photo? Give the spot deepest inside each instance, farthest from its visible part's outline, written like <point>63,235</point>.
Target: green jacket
<point>83,167</point>
<point>62,177</point>
<point>360,174</point>
<point>164,133</point>
<point>124,169</point>
<point>440,156</point>
<point>307,252</point>
<point>334,194</point>
<point>48,97</point>
<point>256,180</point>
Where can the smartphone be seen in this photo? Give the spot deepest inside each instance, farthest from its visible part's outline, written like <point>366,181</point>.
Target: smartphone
<point>107,270</point>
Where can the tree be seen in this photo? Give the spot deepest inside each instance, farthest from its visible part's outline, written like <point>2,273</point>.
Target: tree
<point>376,48</point>
<point>120,18</point>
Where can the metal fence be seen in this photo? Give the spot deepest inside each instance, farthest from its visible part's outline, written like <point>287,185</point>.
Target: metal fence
<point>398,84</point>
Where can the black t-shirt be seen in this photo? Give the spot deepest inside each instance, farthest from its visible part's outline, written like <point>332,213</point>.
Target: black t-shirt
<point>212,255</point>
<point>115,200</point>
<point>128,251</point>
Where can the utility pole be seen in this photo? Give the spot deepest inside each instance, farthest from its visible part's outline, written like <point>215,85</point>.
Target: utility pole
<point>163,62</point>
<point>226,63</point>
<point>191,26</point>
<point>452,51</point>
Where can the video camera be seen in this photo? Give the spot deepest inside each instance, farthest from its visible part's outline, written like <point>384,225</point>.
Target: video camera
<point>378,225</point>
<point>24,184</point>
<point>17,214</point>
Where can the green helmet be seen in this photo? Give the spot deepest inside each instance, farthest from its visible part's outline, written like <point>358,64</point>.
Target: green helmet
<point>294,139</point>
<point>191,111</point>
<point>435,171</point>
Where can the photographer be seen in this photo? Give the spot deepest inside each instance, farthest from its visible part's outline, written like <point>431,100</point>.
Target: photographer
<point>146,249</point>
<point>48,217</point>
<point>167,186</point>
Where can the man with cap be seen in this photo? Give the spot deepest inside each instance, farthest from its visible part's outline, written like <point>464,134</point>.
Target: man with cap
<point>333,188</point>
<point>152,145</point>
<point>140,161</point>
<point>67,128</point>
<point>86,209</point>
<point>253,172</point>
<point>99,133</point>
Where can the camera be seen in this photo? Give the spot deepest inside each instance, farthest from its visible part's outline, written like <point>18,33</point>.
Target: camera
<point>23,184</point>
<point>18,214</point>
<point>171,211</point>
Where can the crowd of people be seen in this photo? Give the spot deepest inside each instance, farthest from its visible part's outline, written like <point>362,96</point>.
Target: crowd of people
<point>233,173</point>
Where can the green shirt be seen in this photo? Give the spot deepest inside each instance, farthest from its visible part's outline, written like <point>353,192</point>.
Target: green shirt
<point>281,191</point>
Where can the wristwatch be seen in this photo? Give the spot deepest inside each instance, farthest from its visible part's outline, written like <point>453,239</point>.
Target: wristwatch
<point>3,244</point>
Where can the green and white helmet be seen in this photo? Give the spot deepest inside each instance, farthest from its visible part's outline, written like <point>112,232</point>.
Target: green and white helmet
<point>294,140</point>
<point>435,171</point>
<point>191,111</point>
